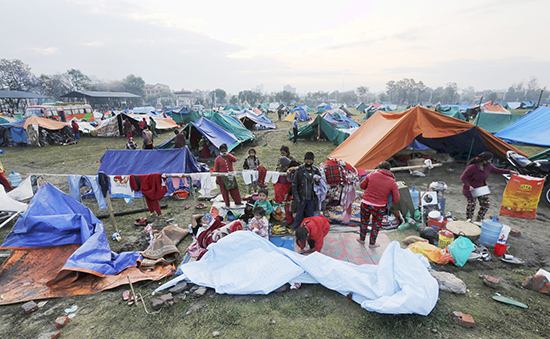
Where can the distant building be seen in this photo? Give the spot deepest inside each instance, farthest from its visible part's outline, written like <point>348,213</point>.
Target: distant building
<point>290,89</point>
<point>151,90</point>
<point>259,88</point>
<point>183,98</point>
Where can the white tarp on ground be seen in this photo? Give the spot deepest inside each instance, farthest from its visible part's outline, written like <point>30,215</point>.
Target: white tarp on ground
<point>23,191</point>
<point>245,263</point>
<point>7,204</point>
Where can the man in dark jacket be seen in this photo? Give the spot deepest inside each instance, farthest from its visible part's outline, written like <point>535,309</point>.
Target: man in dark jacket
<point>302,189</point>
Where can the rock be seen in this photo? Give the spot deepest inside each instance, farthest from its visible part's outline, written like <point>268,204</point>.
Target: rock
<point>166,297</point>
<point>199,292</point>
<point>50,335</point>
<point>448,282</point>
<point>434,330</point>
<point>490,281</point>
<point>157,303</point>
<point>465,320</point>
<point>515,232</point>
<point>179,288</point>
<point>272,321</point>
<point>60,322</point>
<point>215,333</point>
<point>29,307</point>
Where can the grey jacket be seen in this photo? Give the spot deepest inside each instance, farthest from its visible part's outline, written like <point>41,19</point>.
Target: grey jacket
<point>302,183</point>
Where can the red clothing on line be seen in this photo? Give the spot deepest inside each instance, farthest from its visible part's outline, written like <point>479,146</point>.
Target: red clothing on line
<point>152,187</point>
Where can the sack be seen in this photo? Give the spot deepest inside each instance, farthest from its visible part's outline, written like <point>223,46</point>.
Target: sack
<point>433,253</point>
<point>521,197</point>
<point>461,249</point>
<point>229,182</point>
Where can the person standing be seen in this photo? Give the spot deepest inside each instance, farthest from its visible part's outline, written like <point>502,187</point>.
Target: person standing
<point>377,185</point>
<point>474,176</point>
<point>302,189</point>
<point>147,138</point>
<point>128,128</point>
<point>295,128</point>
<point>153,126</point>
<point>74,126</point>
<point>179,141</point>
<point>224,164</point>
<point>142,124</point>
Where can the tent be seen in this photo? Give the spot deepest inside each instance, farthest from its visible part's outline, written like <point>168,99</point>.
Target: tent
<point>127,162</point>
<point>249,119</point>
<point>386,133</point>
<point>452,111</point>
<point>13,131</point>
<point>299,112</point>
<point>229,123</point>
<point>532,129</point>
<point>361,107</point>
<point>337,119</point>
<point>44,123</point>
<point>323,108</point>
<point>214,133</point>
<point>235,108</point>
<point>494,109</point>
<point>513,104</point>
<point>183,115</point>
<point>326,129</point>
<point>495,122</point>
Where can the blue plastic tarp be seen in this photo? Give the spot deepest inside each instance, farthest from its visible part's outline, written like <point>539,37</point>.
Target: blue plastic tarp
<point>128,162</point>
<point>215,134</point>
<point>261,119</point>
<point>54,219</point>
<point>532,129</point>
<point>17,131</point>
<point>399,284</point>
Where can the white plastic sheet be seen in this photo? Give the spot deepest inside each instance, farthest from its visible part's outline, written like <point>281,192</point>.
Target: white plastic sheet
<point>244,263</point>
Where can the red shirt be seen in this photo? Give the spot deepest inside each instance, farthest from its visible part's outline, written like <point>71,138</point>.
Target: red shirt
<point>378,185</point>
<point>222,165</point>
<point>317,228</point>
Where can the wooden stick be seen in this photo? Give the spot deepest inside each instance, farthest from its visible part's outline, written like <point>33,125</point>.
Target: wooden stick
<point>132,288</point>
<point>111,213</point>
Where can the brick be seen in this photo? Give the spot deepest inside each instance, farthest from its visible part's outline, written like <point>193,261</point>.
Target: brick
<point>463,319</point>
<point>515,232</point>
<point>29,307</point>
<point>166,297</point>
<point>199,292</point>
<point>490,281</point>
<point>61,322</point>
<point>179,288</point>
<point>157,303</point>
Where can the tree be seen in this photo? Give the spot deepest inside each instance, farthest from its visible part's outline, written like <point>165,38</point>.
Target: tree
<point>17,76</point>
<point>251,97</point>
<point>317,97</point>
<point>348,97</point>
<point>286,97</point>
<point>134,84</point>
<point>450,93</point>
<point>166,99</point>
<point>76,80</point>
<point>234,100</point>
<point>218,96</point>
<point>59,84</point>
<point>361,92</point>
<point>406,91</point>
<point>468,94</point>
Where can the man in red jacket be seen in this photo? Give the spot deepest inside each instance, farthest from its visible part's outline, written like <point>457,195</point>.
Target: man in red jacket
<point>313,230</point>
<point>377,185</point>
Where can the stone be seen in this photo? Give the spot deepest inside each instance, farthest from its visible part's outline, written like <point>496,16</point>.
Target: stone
<point>490,281</point>
<point>515,232</point>
<point>157,303</point>
<point>166,297</point>
<point>29,307</point>
<point>463,319</point>
<point>449,282</point>
<point>215,333</point>
<point>60,322</point>
<point>50,335</point>
<point>199,292</point>
<point>179,288</point>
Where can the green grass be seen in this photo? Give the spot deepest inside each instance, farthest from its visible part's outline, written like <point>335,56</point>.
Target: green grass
<point>310,312</point>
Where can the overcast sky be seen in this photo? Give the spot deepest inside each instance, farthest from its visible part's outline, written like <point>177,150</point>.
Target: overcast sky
<point>311,45</point>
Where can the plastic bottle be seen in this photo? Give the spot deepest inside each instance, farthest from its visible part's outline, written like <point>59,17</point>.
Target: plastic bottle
<point>15,179</point>
<point>503,237</point>
<point>417,216</point>
<point>490,231</point>
<point>415,196</point>
<point>441,202</point>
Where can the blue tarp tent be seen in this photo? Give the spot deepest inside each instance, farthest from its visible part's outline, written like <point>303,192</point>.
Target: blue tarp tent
<point>127,162</point>
<point>532,129</point>
<point>215,134</point>
<point>299,112</point>
<point>17,132</point>
<point>262,119</point>
<point>55,218</point>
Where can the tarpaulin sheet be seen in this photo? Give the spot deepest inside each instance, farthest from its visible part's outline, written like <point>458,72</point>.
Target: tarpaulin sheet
<point>8,204</point>
<point>128,162</point>
<point>54,218</point>
<point>495,122</point>
<point>216,134</point>
<point>386,133</point>
<point>261,119</point>
<point>230,124</point>
<point>44,123</point>
<point>532,129</point>
<point>162,123</point>
<point>17,131</point>
<point>30,274</point>
<point>399,284</point>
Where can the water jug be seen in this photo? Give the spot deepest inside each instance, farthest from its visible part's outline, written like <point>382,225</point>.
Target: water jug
<point>415,196</point>
<point>15,179</point>
<point>490,230</point>
<point>441,201</point>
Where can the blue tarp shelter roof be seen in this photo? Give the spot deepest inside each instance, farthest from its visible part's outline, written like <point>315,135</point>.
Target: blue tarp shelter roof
<point>127,162</point>
<point>55,218</point>
<point>532,129</point>
<point>261,119</point>
<point>17,130</point>
<point>215,134</point>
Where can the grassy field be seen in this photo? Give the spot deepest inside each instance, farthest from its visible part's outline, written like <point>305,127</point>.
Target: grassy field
<point>309,312</point>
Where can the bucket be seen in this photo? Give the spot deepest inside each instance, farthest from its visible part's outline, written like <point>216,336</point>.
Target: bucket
<point>478,192</point>
<point>445,238</point>
<point>15,179</point>
<point>490,231</point>
<point>417,162</point>
<point>500,249</point>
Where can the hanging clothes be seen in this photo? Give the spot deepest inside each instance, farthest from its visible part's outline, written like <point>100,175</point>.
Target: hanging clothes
<point>77,181</point>
<point>249,176</point>
<point>153,187</point>
<point>206,184</point>
<point>120,187</point>
<point>320,190</point>
<point>273,176</point>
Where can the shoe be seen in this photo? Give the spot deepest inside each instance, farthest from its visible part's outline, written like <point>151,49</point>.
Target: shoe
<point>361,241</point>
<point>141,221</point>
<point>187,207</point>
<point>201,206</point>
<point>511,259</point>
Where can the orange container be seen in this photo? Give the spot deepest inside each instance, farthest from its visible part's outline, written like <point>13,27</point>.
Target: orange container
<point>437,225</point>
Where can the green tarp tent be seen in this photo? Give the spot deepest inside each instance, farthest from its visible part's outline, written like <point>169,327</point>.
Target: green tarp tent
<point>451,111</point>
<point>185,118</point>
<point>544,155</point>
<point>332,133</point>
<point>230,124</point>
<point>495,122</point>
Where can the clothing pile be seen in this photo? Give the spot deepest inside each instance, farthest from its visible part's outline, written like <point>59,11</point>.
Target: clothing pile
<point>342,178</point>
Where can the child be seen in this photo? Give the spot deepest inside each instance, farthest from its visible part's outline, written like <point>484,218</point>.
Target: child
<point>251,163</point>
<point>263,203</point>
<point>259,223</point>
<point>314,230</point>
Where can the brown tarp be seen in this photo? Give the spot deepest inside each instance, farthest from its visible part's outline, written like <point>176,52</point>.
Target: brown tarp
<point>33,274</point>
<point>386,133</point>
<point>44,123</point>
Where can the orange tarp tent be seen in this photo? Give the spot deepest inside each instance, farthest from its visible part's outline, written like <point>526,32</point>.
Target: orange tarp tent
<point>386,133</point>
<point>44,123</point>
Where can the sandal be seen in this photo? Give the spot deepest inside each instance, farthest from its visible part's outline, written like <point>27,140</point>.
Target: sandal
<point>201,206</point>
<point>187,207</point>
<point>511,259</point>
<point>141,221</point>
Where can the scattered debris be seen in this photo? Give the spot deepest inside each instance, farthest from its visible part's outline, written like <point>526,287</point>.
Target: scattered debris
<point>515,232</point>
<point>462,319</point>
<point>449,282</point>
<point>42,303</point>
<point>50,335</point>
<point>272,321</point>
<point>537,282</point>
<point>166,297</point>
<point>157,303</point>
<point>509,301</point>
<point>490,281</point>
<point>71,309</point>
<point>215,333</point>
<point>60,322</point>
<point>29,307</point>
<point>199,292</point>
<point>179,288</point>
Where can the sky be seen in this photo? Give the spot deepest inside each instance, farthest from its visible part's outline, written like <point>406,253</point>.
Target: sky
<point>311,45</point>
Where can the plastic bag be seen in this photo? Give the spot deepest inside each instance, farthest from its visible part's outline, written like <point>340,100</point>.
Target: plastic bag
<point>433,253</point>
<point>278,213</point>
<point>521,197</point>
<point>461,249</point>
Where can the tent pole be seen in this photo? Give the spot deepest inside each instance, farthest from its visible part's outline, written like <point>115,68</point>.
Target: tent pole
<point>474,137</point>
<point>540,97</point>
